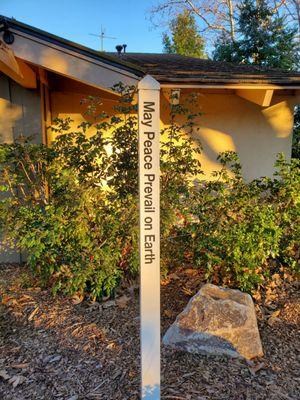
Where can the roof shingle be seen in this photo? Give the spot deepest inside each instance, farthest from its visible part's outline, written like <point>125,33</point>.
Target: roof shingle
<point>168,68</point>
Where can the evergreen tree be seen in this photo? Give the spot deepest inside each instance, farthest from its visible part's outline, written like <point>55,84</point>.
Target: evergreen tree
<point>185,38</point>
<point>264,39</point>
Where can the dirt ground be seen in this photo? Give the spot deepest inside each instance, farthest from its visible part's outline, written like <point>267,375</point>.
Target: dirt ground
<point>53,348</point>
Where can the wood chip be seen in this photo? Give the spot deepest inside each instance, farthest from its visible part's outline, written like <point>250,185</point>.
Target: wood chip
<point>32,315</point>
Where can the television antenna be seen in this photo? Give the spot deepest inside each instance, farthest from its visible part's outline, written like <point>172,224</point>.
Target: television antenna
<point>102,36</point>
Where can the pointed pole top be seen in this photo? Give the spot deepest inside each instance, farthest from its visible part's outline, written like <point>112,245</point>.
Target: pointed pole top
<point>148,83</point>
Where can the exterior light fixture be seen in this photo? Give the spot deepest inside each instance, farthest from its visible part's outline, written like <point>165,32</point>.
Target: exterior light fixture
<point>175,97</point>
<point>8,37</point>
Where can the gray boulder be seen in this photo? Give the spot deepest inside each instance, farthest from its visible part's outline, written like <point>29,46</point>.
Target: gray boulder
<point>217,321</point>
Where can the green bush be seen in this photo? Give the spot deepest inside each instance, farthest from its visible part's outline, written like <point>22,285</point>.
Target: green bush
<point>237,228</point>
<point>72,207</point>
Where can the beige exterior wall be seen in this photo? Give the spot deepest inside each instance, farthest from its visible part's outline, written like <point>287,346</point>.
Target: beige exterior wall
<point>20,111</point>
<point>228,122</point>
<point>256,133</point>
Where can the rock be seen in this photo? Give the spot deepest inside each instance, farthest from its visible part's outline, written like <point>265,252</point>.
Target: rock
<point>217,321</point>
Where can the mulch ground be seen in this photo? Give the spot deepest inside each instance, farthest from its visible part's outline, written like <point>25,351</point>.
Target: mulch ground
<point>53,348</point>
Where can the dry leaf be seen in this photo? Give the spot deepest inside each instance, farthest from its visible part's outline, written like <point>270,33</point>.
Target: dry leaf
<point>16,380</point>
<point>187,291</point>
<point>34,312</point>
<point>122,301</point>
<point>257,296</point>
<point>169,313</point>
<point>77,299</point>
<point>191,272</point>
<point>272,321</point>
<point>8,300</point>
<point>26,297</point>
<point>4,374</point>
<point>275,314</point>
<point>20,366</point>
<point>165,282</point>
<point>174,276</point>
<point>256,368</point>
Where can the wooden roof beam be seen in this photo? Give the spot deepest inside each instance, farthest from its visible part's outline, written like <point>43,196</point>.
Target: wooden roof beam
<point>262,97</point>
<point>16,68</point>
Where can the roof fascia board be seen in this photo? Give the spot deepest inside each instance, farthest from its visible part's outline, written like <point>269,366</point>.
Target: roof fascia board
<point>68,44</point>
<point>69,63</point>
<point>228,86</point>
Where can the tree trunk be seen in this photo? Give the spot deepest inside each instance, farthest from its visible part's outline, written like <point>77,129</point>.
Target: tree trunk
<point>231,20</point>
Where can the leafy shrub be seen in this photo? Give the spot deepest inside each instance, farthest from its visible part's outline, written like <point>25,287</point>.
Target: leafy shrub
<point>73,206</point>
<point>236,228</point>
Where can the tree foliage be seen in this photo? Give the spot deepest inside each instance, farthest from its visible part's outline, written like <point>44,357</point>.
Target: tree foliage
<point>264,39</point>
<point>185,39</point>
<point>218,17</point>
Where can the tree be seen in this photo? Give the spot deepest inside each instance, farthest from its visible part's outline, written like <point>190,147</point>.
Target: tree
<point>292,12</point>
<point>216,17</point>
<point>263,39</point>
<point>185,38</point>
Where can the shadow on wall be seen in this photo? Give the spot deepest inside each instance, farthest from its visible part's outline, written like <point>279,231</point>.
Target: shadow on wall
<point>64,104</point>
<point>9,115</point>
<point>20,111</point>
<point>229,122</point>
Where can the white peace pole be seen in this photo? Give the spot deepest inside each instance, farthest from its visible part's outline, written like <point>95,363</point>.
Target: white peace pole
<point>148,95</point>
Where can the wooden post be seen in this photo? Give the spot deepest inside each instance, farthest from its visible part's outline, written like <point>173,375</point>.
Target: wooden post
<point>149,135</point>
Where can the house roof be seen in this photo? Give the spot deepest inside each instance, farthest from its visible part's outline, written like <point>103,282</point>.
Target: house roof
<point>68,44</point>
<point>174,68</point>
<point>168,68</point>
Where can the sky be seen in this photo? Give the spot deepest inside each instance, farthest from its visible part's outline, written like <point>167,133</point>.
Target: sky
<point>127,20</point>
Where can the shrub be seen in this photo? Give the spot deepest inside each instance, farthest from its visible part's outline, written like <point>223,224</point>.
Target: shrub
<point>236,227</point>
<point>73,206</point>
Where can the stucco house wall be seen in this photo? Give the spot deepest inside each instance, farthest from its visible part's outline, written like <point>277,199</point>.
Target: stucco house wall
<point>228,122</point>
<point>256,133</point>
<point>20,111</point>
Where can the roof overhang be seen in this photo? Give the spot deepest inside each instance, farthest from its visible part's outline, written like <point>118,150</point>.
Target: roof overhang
<point>192,85</point>
<point>103,71</point>
<point>67,59</point>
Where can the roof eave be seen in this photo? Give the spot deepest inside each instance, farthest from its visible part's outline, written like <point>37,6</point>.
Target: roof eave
<point>67,44</point>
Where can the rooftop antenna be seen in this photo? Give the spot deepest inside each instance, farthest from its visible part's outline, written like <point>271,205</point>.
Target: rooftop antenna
<point>102,36</point>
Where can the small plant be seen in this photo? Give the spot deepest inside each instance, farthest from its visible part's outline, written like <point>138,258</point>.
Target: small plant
<point>25,280</point>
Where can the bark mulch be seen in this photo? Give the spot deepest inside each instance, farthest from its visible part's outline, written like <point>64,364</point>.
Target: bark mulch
<point>53,348</point>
